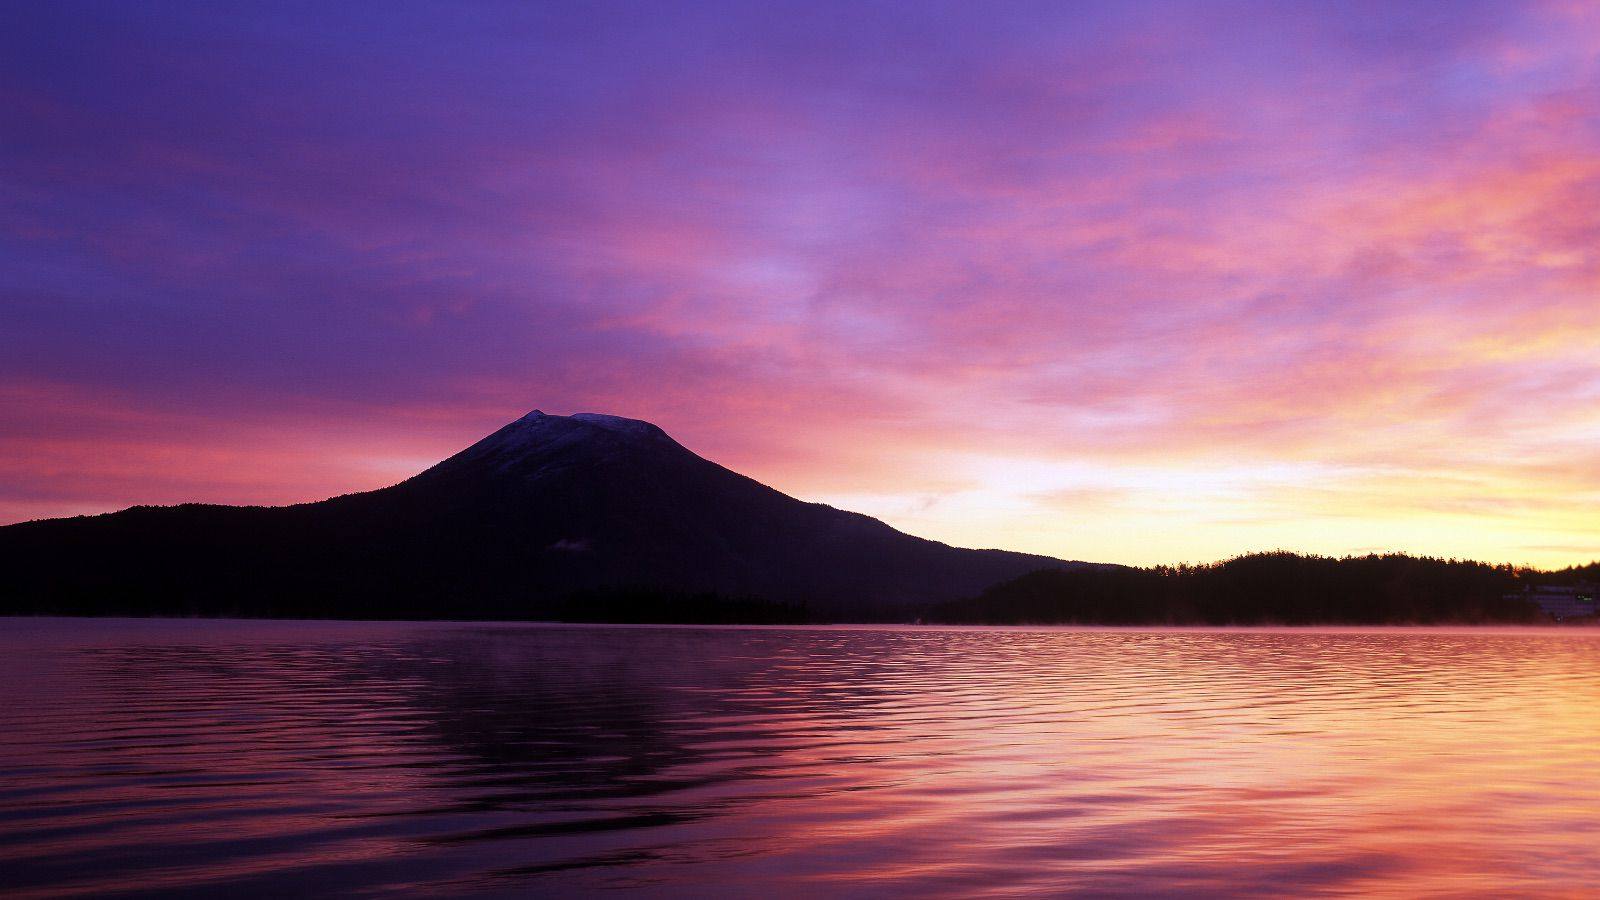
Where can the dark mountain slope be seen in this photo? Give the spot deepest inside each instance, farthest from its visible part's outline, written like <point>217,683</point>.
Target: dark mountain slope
<point>544,507</point>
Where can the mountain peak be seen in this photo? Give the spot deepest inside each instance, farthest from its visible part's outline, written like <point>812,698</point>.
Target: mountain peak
<point>542,422</point>
<point>600,420</point>
<point>544,507</point>
<point>539,434</point>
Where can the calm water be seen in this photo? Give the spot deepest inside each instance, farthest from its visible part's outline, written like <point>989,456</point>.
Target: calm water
<point>251,758</point>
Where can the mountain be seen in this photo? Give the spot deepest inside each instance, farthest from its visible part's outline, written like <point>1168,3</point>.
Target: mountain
<point>547,510</point>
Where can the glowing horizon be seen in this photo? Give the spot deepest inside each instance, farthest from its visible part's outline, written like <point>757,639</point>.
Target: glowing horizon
<point>1134,283</point>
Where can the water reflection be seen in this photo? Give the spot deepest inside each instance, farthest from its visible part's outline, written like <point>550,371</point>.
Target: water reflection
<point>229,758</point>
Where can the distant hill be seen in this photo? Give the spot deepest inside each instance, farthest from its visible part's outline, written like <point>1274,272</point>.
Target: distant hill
<point>1261,589</point>
<point>544,516</point>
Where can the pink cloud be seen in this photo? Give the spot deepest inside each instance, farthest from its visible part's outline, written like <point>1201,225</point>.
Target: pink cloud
<point>851,262</point>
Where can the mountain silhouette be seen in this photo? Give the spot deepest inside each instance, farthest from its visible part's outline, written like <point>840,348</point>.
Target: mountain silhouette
<point>544,509</point>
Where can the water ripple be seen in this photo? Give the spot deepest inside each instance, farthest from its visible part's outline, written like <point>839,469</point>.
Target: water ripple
<point>229,758</point>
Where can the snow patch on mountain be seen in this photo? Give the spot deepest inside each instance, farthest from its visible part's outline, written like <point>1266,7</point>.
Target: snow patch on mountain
<point>618,424</point>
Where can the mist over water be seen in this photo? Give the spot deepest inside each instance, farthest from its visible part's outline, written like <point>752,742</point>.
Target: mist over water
<point>273,758</point>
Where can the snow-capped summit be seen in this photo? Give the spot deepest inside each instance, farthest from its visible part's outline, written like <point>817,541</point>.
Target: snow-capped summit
<point>619,424</point>
<point>541,434</point>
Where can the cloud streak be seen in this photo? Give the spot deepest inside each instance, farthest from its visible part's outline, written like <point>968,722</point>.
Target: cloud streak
<point>1132,282</point>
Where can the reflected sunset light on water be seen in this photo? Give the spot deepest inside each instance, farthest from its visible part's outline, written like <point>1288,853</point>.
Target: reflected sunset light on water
<point>249,756</point>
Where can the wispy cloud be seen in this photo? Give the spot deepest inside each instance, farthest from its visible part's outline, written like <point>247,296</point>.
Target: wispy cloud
<point>1120,281</point>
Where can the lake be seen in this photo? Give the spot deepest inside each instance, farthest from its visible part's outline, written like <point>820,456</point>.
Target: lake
<point>235,758</point>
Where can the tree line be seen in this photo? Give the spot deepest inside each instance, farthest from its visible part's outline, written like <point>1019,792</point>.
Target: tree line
<point>1266,588</point>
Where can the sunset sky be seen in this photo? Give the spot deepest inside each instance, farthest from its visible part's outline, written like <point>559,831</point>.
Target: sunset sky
<point>1130,282</point>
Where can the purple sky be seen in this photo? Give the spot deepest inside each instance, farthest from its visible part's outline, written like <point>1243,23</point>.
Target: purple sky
<point>1131,281</point>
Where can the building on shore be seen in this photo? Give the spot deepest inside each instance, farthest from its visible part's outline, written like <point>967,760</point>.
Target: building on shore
<point>1563,601</point>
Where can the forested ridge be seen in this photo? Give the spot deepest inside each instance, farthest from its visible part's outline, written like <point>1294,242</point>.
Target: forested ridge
<point>1266,588</point>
